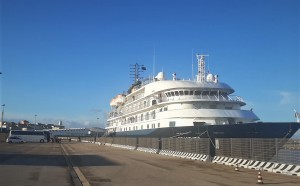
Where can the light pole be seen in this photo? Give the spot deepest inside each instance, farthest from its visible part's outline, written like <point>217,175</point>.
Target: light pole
<point>34,121</point>
<point>2,116</point>
<point>98,126</point>
<point>35,118</point>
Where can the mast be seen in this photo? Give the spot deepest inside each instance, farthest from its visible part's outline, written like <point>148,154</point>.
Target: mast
<point>135,71</point>
<point>201,68</point>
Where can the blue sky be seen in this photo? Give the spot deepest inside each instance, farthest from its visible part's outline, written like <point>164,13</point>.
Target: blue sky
<point>65,59</point>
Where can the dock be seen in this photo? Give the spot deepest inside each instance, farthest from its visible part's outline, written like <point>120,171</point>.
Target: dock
<point>76,163</point>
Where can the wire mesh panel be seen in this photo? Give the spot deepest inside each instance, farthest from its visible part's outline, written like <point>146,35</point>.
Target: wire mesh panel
<point>241,148</point>
<point>283,150</point>
<point>289,153</point>
<point>148,142</point>
<point>166,144</point>
<point>187,145</point>
<point>263,149</point>
<point>192,145</point>
<point>202,145</point>
<point>169,144</point>
<point>223,147</point>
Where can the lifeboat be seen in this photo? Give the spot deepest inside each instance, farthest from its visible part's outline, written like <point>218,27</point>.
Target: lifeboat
<point>120,99</point>
<point>113,102</point>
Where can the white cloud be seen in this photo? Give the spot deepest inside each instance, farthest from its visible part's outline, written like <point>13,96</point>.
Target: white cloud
<point>289,98</point>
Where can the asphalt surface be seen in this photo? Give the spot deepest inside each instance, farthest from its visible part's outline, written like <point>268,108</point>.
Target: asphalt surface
<point>47,164</point>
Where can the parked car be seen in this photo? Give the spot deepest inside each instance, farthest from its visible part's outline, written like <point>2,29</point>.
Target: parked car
<point>14,139</point>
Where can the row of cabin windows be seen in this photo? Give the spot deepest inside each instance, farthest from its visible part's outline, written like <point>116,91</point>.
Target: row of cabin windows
<point>194,92</point>
<point>153,126</point>
<point>143,117</point>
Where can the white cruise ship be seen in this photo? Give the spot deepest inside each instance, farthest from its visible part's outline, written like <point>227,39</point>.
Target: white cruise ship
<point>161,107</point>
<point>160,102</point>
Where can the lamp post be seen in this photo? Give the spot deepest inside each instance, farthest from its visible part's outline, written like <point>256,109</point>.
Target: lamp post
<point>96,129</point>
<point>34,121</point>
<point>2,116</point>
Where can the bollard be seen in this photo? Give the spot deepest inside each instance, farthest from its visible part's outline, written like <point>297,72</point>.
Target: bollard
<point>259,178</point>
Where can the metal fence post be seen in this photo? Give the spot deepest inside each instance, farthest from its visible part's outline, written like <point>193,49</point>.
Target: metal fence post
<point>230,147</point>
<point>251,148</point>
<point>276,149</point>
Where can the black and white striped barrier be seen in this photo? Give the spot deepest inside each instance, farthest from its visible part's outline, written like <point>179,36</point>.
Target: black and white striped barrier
<point>259,165</point>
<point>186,155</point>
<point>124,146</point>
<point>150,150</point>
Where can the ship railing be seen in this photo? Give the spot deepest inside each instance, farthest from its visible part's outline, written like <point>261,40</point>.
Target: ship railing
<point>206,98</point>
<point>225,98</point>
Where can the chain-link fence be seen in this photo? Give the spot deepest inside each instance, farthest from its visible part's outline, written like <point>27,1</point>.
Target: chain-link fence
<point>190,145</point>
<point>274,150</point>
<point>152,143</point>
<point>270,149</point>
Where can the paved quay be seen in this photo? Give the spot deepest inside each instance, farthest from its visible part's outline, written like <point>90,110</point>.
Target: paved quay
<point>47,164</point>
<point>124,167</point>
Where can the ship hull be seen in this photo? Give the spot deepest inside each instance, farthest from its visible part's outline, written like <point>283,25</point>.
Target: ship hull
<point>247,130</point>
<point>282,130</point>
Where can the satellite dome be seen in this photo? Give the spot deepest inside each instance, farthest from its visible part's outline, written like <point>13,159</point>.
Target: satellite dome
<point>160,76</point>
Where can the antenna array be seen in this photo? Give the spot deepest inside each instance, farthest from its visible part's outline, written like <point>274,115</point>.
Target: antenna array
<point>135,71</point>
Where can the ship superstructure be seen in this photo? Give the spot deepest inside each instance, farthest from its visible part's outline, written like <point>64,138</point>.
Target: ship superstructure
<point>161,103</point>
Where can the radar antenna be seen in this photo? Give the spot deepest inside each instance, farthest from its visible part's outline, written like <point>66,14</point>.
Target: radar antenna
<point>135,71</point>
<point>201,68</point>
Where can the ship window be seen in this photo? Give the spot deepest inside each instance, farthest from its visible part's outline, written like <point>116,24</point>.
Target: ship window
<point>204,93</point>
<point>172,93</point>
<point>142,127</point>
<point>142,117</point>
<point>158,125</point>
<point>153,114</point>
<point>154,102</point>
<point>212,93</point>
<point>172,124</point>
<point>197,92</point>
<point>165,108</point>
<point>191,92</point>
<point>176,93</point>
<point>186,92</point>
<point>181,93</point>
<point>147,126</point>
